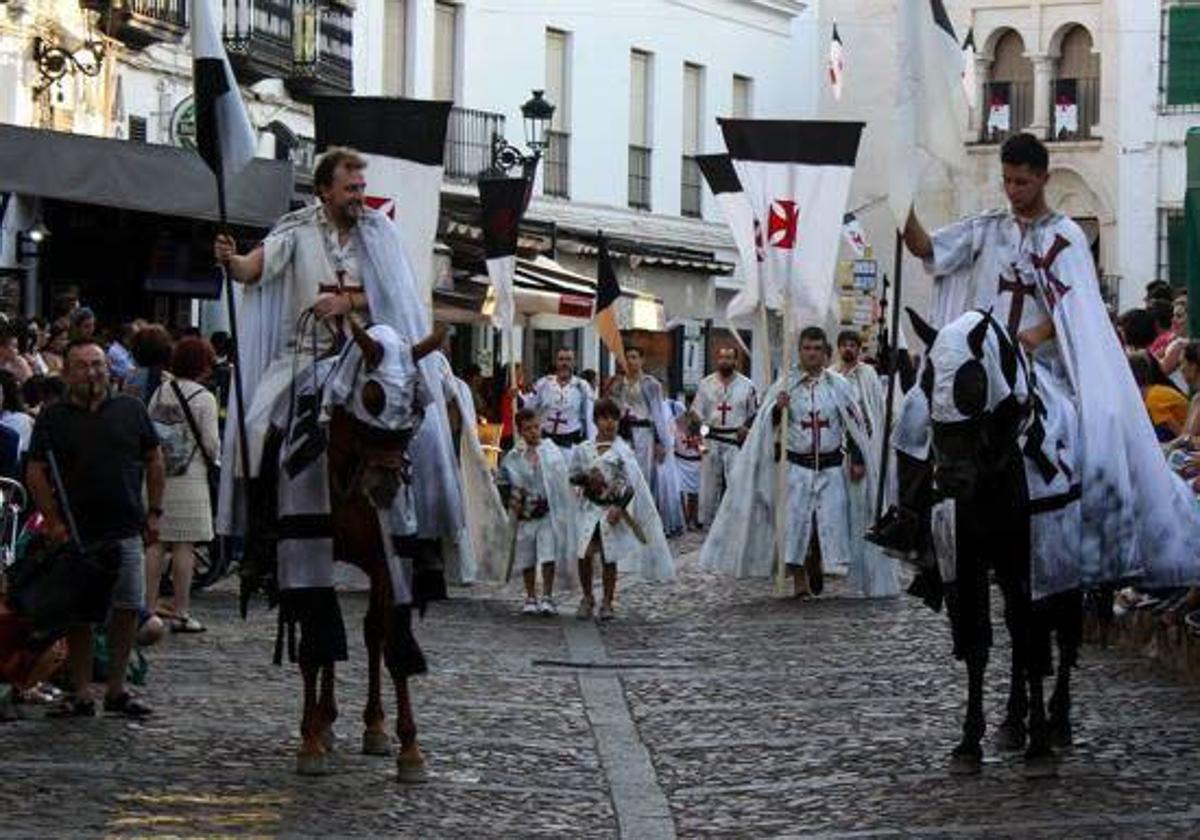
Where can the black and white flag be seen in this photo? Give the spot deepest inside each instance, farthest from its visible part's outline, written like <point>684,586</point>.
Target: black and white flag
<point>224,136</point>
<point>837,64</point>
<point>404,143</point>
<point>722,180</point>
<point>930,102</point>
<point>796,177</point>
<point>503,202</point>
<point>970,81</point>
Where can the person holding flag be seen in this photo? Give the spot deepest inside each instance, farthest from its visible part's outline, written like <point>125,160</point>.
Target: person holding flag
<point>724,408</point>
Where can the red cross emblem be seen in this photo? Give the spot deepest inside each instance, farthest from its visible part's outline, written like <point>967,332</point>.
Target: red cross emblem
<point>384,204</point>
<point>781,223</point>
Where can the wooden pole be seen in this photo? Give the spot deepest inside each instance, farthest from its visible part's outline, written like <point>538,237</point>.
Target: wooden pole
<point>894,374</point>
<point>781,482</point>
<point>238,392</point>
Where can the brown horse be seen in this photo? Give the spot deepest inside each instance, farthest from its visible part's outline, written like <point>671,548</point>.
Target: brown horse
<point>367,465</point>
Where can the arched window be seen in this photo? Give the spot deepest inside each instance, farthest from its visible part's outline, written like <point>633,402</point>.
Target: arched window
<point>1008,93</point>
<point>1076,93</point>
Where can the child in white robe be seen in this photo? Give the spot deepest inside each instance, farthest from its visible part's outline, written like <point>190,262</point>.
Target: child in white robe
<point>618,520</point>
<point>543,508</point>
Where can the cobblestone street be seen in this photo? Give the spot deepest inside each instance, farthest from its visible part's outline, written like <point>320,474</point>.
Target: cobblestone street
<point>705,710</point>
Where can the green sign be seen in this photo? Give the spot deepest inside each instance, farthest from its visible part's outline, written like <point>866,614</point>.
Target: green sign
<point>183,124</point>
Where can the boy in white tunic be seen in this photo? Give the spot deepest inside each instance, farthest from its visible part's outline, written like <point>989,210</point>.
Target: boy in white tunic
<point>542,504</point>
<point>617,520</point>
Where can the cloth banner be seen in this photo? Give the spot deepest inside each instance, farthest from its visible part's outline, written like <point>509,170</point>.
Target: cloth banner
<point>970,81</point>
<point>503,201</point>
<point>852,231</point>
<point>930,105</point>
<point>796,177</point>
<point>224,136</point>
<point>837,63</point>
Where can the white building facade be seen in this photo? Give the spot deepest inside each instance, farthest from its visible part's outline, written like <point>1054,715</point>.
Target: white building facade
<point>1096,79</point>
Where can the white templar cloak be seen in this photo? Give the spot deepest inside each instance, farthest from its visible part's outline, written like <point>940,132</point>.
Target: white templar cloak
<point>741,539</point>
<point>872,572</point>
<point>617,465</point>
<point>554,536</point>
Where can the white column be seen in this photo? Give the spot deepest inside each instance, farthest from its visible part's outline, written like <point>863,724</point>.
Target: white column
<point>589,352</point>
<point>1043,73</point>
<point>983,71</point>
<point>419,72</point>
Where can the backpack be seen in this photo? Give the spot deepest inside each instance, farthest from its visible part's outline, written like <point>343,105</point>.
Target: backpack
<point>174,436</point>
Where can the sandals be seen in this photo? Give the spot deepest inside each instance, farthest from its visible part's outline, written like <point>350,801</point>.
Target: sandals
<point>72,707</point>
<point>128,706</point>
<point>186,624</point>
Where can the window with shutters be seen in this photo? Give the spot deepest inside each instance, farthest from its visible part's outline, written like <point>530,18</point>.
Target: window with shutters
<point>743,97</point>
<point>693,104</point>
<point>137,129</point>
<point>1075,90</point>
<point>445,59</point>
<point>1179,67</point>
<point>1171,244</point>
<point>395,46</point>
<point>640,149</point>
<point>556,180</point>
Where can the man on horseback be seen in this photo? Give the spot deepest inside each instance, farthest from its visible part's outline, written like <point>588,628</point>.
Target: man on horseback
<point>318,270</point>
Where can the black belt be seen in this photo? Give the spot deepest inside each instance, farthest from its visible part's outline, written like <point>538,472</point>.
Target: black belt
<point>683,457</point>
<point>568,438</point>
<point>729,436</point>
<point>824,461</point>
<point>641,424</point>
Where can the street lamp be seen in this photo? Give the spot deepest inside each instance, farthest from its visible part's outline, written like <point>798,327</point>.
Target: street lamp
<point>537,113</point>
<point>29,242</point>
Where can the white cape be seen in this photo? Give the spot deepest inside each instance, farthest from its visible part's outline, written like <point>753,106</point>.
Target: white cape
<point>741,539</point>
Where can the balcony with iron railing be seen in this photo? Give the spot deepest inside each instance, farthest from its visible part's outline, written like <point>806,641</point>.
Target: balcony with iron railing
<point>258,38</point>
<point>639,177</point>
<point>469,136</point>
<point>140,23</point>
<point>1076,109</point>
<point>556,180</point>
<point>689,196</point>
<point>1007,110</point>
<point>322,49</point>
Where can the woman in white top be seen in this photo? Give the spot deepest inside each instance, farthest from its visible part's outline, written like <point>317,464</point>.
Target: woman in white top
<point>187,508</point>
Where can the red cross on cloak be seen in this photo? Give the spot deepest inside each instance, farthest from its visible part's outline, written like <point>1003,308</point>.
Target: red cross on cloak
<point>556,421</point>
<point>724,407</point>
<point>1019,291</point>
<point>814,424</point>
<point>1055,289</point>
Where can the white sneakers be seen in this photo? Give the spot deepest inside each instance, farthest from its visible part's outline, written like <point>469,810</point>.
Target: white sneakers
<point>546,606</point>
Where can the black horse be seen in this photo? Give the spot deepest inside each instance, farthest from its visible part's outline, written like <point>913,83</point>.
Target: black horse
<point>984,411</point>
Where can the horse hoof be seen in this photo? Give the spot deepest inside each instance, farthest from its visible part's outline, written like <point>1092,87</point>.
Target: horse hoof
<point>410,766</point>
<point>312,764</point>
<point>376,743</point>
<point>1010,737</point>
<point>966,762</point>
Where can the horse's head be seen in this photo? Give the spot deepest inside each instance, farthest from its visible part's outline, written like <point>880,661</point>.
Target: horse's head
<point>974,380</point>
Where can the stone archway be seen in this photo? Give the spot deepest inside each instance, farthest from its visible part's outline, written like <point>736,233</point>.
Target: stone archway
<point>1068,193</point>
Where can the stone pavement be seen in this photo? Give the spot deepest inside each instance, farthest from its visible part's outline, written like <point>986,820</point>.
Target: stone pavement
<point>708,710</point>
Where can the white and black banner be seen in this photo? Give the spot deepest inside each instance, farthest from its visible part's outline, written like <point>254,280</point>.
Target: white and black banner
<point>796,177</point>
<point>722,180</point>
<point>224,136</point>
<point>404,142</point>
<point>503,201</point>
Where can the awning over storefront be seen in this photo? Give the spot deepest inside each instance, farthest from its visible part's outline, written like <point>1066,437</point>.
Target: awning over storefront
<point>549,297</point>
<point>137,176</point>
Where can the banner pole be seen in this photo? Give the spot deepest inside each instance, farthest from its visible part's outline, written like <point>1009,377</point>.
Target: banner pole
<point>781,483</point>
<point>238,392</point>
<point>893,368</point>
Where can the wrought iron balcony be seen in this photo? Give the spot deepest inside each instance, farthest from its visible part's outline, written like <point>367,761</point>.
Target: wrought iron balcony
<point>140,23</point>
<point>557,180</point>
<point>323,47</point>
<point>689,193</point>
<point>258,38</point>
<point>1075,108</point>
<point>639,177</point>
<point>469,142</point>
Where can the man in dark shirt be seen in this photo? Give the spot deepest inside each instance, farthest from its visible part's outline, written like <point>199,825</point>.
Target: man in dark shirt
<point>103,445</point>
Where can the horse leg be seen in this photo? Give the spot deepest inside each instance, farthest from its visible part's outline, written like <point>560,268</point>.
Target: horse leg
<point>1039,757</point>
<point>1069,633</point>
<point>410,761</point>
<point>327,706</point>
<point>967,757</point>
<point>1011,735</point>
<point>375,739</point>
<point>312,759</point>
